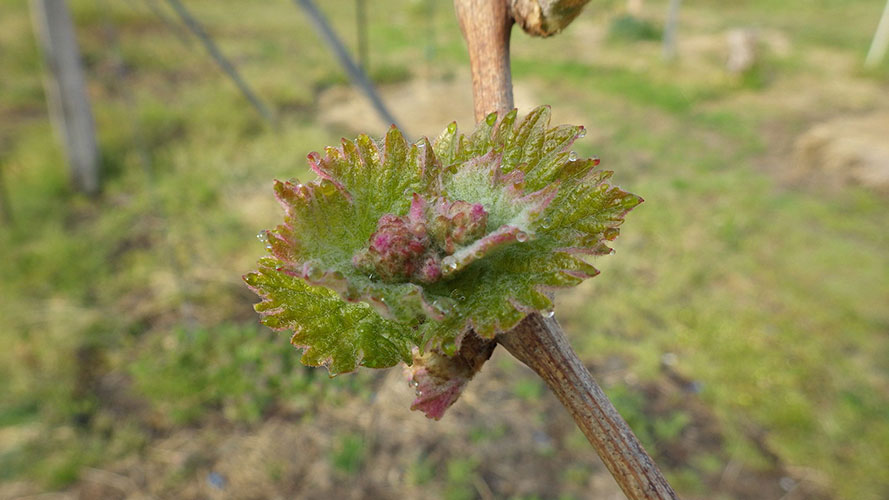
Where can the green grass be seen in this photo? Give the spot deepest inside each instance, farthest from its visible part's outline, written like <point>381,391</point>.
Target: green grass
<point>124,316</point>
<point>460,473</point>
<point>627,28</point>
<point>349,454</point>
<point>634,86</point>
<point>771,298</point>
<point>241,371</point>
<point>421,472</point>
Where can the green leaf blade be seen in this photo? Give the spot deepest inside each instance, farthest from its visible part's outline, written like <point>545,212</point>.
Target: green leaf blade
<point>336,334</point>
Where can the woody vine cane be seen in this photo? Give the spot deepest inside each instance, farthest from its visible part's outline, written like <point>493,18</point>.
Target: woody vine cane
<point>538,341</point>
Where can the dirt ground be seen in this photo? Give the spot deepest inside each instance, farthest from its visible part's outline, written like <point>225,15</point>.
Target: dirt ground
<point>533,444</point>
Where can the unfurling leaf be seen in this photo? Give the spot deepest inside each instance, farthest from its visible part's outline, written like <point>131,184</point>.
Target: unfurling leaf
<point>399,246</point>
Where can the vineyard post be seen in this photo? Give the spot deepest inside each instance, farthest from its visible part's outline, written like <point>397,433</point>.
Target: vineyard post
<point>66,92</point>
<point>880,42</point>
<point>670,28</point>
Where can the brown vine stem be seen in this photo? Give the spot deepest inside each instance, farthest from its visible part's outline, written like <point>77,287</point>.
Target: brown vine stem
<point>540,342</point>
<point>486,25</point>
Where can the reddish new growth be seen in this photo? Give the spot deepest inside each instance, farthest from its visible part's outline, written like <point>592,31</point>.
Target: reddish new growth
<point>456,223</point>
<point>439,380</point>
<point>411,247</point>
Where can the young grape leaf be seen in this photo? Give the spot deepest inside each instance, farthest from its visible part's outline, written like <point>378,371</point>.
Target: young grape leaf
<point>400,245</point>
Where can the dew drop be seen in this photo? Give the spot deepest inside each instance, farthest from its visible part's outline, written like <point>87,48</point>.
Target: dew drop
<point>414,383</point>
<point>263,236</point>
<point>549,313</point>
<point>369,331</point>
<point>572,156</point>
<point>521,237</point>
<point>448,265</point>
<point>581,133</point>
<point>327,188</point>
<point>315,273</point>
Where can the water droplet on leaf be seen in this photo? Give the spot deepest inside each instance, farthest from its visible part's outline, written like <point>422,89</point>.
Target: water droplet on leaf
<point>549,313</point>
<point>572,156</point>
<point>581,133</point>
<point>314,273</point>
<point>365,330</point>
<point>327,188</point>
<point>448,265</point>
<point>521,237</point>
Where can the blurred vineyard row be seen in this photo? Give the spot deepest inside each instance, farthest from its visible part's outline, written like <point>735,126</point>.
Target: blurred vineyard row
<point>742,327</point>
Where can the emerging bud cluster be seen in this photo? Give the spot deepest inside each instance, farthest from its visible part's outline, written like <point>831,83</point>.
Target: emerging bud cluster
<point>411,248</point>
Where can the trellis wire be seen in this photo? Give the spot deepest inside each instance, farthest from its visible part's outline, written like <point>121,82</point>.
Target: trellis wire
<point>358,76</point>
<point>198,30</point>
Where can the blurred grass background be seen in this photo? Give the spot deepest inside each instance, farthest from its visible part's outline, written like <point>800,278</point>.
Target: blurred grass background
<point>742,328</point>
